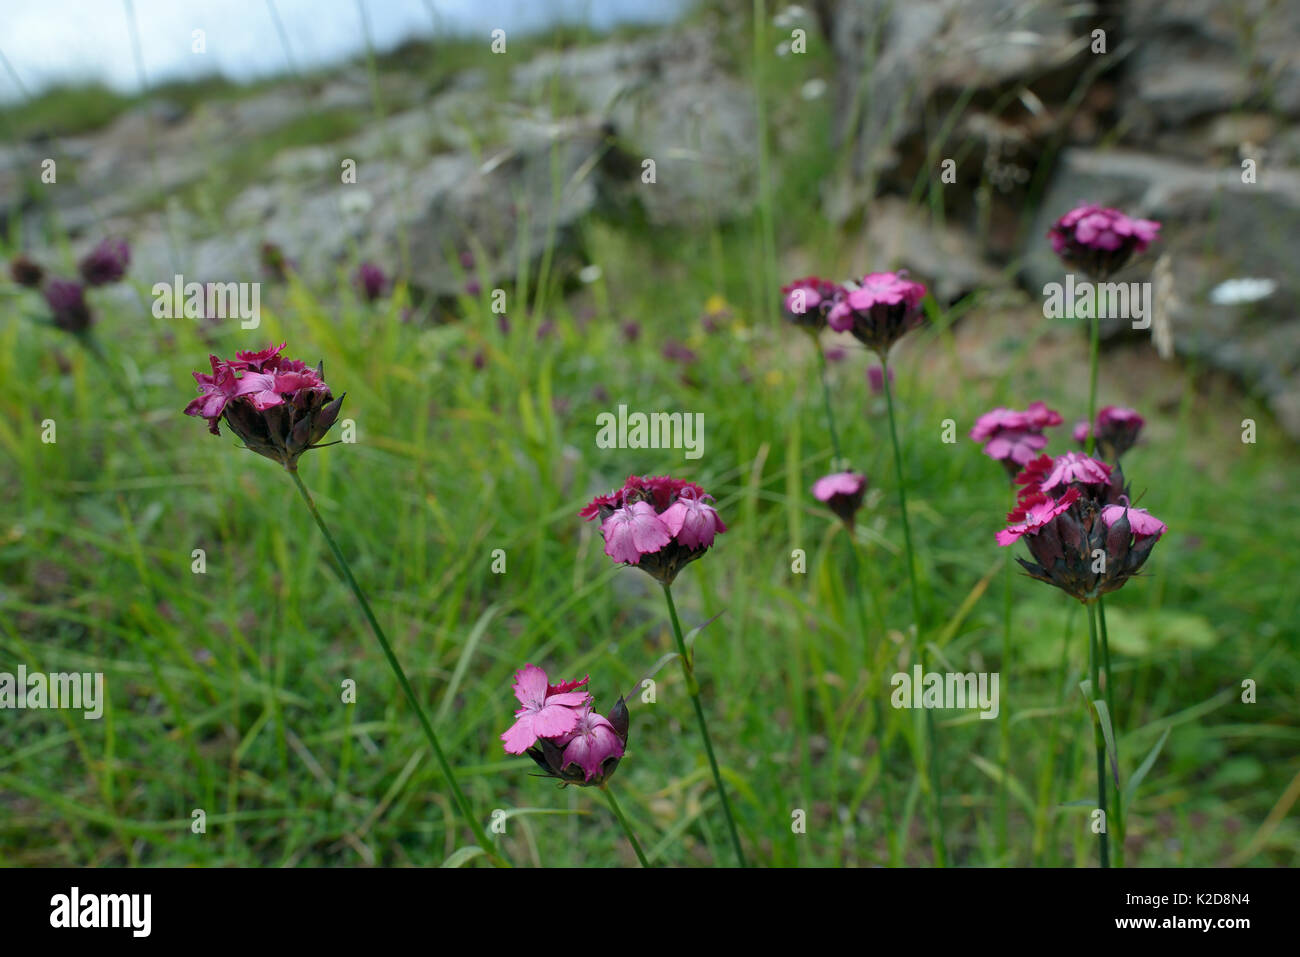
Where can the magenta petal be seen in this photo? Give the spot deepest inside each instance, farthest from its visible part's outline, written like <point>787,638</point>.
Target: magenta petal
<point>530,686</point>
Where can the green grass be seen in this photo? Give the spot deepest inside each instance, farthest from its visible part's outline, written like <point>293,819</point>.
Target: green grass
<point>225,688</point>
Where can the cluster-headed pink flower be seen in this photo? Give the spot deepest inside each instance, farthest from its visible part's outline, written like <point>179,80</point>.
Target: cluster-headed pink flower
<point>557,727</point>
<point>371,281</point>
<point>1012,436</point>
<point>658,523</point>
<point>106,263</point>
<point>1074,516</point>
<point>279,407</point>
<point>1117,431</point>
<point>806,301</point>
<point>842,492</point>
<point>1099,239</point>
<point>66,299</point>
<point>545,710</point>
<point>879,310</point>
<point>1075,468</point>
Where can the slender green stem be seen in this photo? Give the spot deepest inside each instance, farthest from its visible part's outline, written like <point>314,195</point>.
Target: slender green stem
<point>693,688</point>
<point>1114,719</point>
<point>936,797</point>
<point>1098,739</point>
<point>466,811</point>
<point>1094,349</point>
<point>826,398</point>
<point>1004,717</point>
<point>627,828</point>
<point>902,500</point>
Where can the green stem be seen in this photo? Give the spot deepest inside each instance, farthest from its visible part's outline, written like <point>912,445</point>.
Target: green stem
<point>936,798</point>
<point>826,398</point>
<point>1114,719</point>
<point>855,586</point>
<point>627,828</point>
<point>693,688</point>
<point>1098,739</point>
<point>465,809</point>
<point>1094,350</point>
<point>1004,718</point>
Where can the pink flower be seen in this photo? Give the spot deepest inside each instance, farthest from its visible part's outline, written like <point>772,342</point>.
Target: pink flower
<point>223,386</point>
<point>693,521</point>
<point>106,263</point>
<point>279,407</point>
<point>806,301</point>
<point>371,281</point>
<point>876,379</point>
<point>1117,431</point>
<point>542,714</point>
<point>1075,467</point>
<point>633,531</point>
<point>1100,239</point>
<point>1142,522</point>
<point>1031,518</point>
<point>591,743</point>
<point>879,310</point>
<point>843,492</point>
<point>67,301</point>
<point>1014,437</point>
<point>658,523</point>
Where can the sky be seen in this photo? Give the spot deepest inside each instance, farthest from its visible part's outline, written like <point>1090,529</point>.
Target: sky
<point>61,41</point>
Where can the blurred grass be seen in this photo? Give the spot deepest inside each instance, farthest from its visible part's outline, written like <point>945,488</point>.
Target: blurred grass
<point>225,688</point>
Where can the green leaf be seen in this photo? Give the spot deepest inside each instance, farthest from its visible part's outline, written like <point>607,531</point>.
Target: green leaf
<point>1144,767</point>
<point>695,632</point>
<point>998,774</point>
<point>449,696</point>
<point>463,855</point>
<point>1103,715</point>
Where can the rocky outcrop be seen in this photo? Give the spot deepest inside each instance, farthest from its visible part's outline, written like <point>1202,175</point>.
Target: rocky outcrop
<point>463,171</point>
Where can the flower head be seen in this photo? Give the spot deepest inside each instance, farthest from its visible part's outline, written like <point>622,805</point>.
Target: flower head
<point>1117,431</point>
<point>545,711</point>
<point>371,281</point>
<point>1100,240</point>
<point>806,301</point>
<point>279,407</point>
<point>106,263</point>
<point>67,301</point>
<point>26,271</point>
<point>842,492</point>
<point>1075,519</point>
<point>658,523</point>
<point>557,727</point>
<point>878,311</point>
<point>1075,468</point>
<point>1013,437</point>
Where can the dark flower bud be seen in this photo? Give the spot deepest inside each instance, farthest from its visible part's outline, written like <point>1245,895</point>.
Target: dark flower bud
<point>26,272</point>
